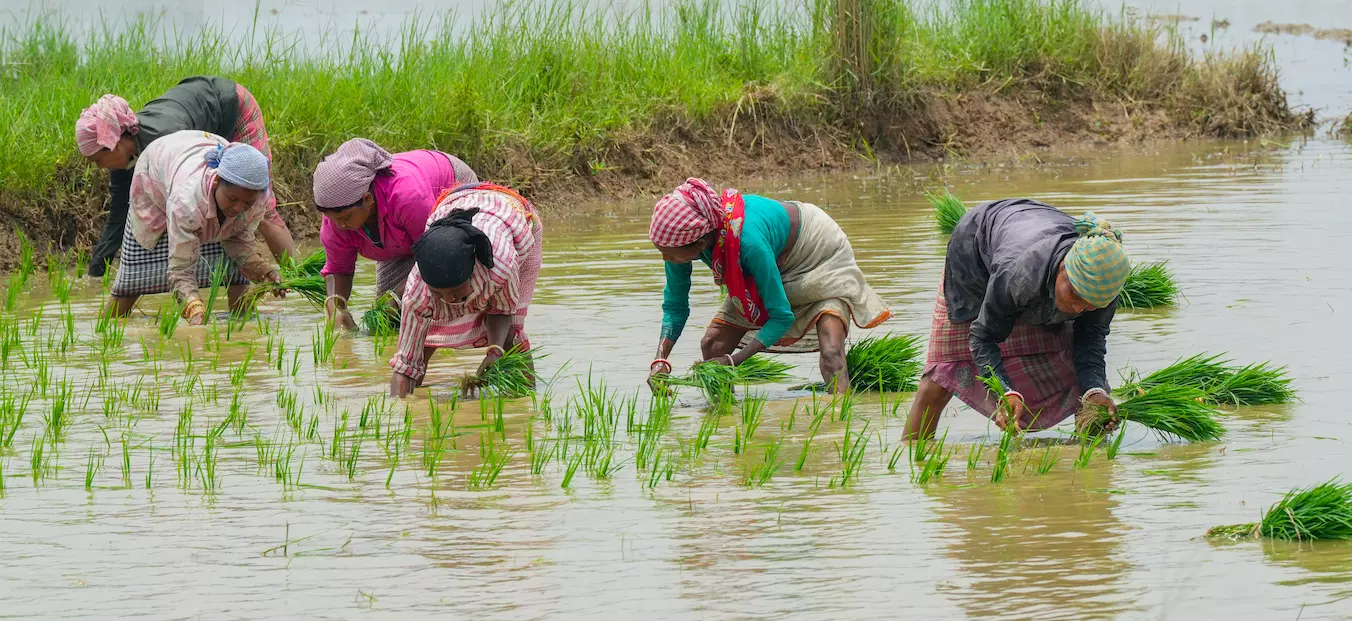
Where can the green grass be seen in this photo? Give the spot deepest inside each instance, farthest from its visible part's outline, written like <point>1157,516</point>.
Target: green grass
<point>1149,285</point>
<point>312,288</point>
<point>308,266</point>
<point>576,86</point>
<point>890,363</point>
<point>1220,380</point>
<point>948,209</point>
<point>1171,411</point>
<point>1322,511</point>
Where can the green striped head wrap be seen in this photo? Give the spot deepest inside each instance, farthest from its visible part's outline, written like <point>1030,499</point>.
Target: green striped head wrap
<point>1097,265</point>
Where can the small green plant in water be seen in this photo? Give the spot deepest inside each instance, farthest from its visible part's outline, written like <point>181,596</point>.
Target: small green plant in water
<point>511,376</point>
<point>168,318</point>
<point>1322,511</point>
<point>948,210</point>
<point>382,320</point>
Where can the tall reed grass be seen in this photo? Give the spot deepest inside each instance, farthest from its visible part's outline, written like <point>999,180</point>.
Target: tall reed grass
<point>536,93</point>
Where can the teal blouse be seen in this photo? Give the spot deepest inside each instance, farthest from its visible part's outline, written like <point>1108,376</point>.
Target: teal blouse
<point>764,233</point>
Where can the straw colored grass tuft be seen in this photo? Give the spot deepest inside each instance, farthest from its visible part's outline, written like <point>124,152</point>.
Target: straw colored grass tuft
<point>1322,511</point>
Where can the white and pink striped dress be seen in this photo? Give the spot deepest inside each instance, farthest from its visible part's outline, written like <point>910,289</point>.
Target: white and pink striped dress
<point>514,228</point>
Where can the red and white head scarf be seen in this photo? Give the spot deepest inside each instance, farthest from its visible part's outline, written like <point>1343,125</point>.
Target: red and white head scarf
<point>102,124</point>
<point>687,214</point>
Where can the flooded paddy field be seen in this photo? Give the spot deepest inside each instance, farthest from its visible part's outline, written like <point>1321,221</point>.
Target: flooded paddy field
<point>243,471</point>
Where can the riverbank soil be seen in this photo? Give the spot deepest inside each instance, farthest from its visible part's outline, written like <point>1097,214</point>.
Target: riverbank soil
<point>634,109</point>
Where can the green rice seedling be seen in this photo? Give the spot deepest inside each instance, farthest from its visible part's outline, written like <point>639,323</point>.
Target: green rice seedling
<point>1088,444</point>
<point>168,318</point>
<point>654,475</point>
<point>753,410</point>
<point>818,416</point>
<point>717,381</point>
<point>1255,384</point>
<point>438,436</point>
<point>1222,381</point>
<point>349,459</point>
<point>762,473</point>
<point>890,363</point>
<point>60,414</point>
<point>1322,511</point>
<point>382,320</point>
<point>1171,411</point>
<point>708,425</point>
<point>92,467</point>
<point>651,431</point>
<point>511,376</point>
<point>604,466</point>
<point>81,262</point>
<point>107,281</point>
<point>900,450</point>
<point>933,467</point>
<point>541,456</point>
<point>218,275</point>
<point>27,265</point>
<point>312,288</point>
<point>2,477</point>
<point>311,265</point>
<point>322,342</point>
<point>12,411</point>
<point>126,462</point>
<point>851,455</point>
<point>37,458</point>
<point>1149,285</point>
<point>571,470</point>
<point>12,292</point>
<point>1008,442</point>
<point>947,210</point>
<point>150,465</point>
<point>1116,445</point>
<point>974,456</point>
<point>1050,457</point>
<point>295,362</point>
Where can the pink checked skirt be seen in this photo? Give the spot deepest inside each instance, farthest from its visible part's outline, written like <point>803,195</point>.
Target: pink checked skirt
<point>1037,360</point>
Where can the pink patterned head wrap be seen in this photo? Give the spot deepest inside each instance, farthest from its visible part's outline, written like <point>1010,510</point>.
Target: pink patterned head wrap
<point>687,214</point>
<point>102,124</point>
<point>345,175</point>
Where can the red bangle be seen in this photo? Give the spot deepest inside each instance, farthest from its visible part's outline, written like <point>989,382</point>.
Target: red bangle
<point>661,361</point>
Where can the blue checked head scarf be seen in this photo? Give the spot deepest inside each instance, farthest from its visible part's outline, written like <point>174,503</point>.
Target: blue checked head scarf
<point>1097,265</point>
<point>241,165</point>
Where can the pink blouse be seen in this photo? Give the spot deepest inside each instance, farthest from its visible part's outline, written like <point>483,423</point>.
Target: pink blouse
<point>405,195</point>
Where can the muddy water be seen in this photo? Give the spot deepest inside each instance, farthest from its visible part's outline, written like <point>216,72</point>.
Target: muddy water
<point>1256,238</point>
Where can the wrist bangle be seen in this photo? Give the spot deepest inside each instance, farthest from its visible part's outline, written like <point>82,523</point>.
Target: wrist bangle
<point>663,362</point>
<point>1013,393</point>
<point>501,351</point>
<point>731,362</point>
<point>1091,392</point>
<point>192,307</point>
<point>335,298</point>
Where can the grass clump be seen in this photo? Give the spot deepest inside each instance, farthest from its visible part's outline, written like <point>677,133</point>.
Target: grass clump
<point>889,363</point>
<point>947,210</point>
<point>1149,285</point>
<point>1171,410</point>
<point>1220,380</point>
<point>312,288</point>
<point>308,266</point>
<point>1322,511</point>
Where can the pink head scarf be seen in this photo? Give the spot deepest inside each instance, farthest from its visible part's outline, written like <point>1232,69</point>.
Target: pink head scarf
<point>687,214</point>
<point>102,124</point>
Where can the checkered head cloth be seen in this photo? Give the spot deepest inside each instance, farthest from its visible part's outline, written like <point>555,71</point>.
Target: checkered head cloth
<point>687,214</point>
<point>1097,265</point>
<point>345,175</point>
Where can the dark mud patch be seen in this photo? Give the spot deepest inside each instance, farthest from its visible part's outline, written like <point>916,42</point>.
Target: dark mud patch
<point>1341,35</point>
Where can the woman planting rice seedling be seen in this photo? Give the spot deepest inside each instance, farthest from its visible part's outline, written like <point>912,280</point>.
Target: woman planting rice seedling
<point>376,204</point>
<point>472,282</point>
<point>792,282</point>
<point>111,136</point>
<point>1027,297</point>
<point>196,200</point>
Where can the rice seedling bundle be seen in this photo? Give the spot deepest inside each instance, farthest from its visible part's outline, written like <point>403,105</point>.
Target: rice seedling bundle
<point>947,210</point>
<point>309,266</point>
<point>510,376</point>
<point>716,381</point>
<point>1221,381</point>
<point>1171,410</point>
<point>383,318</point>
<point>312,288</point>
<point>889,363</point>
<point>1149,285</point>
<point>1322,511</point>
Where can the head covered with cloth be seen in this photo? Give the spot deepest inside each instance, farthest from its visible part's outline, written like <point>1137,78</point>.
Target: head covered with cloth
<point>685,217</point>
<point>243,172</point>
<point>100,130</point>
<point>1096,266</point>
<point>448,252</point>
